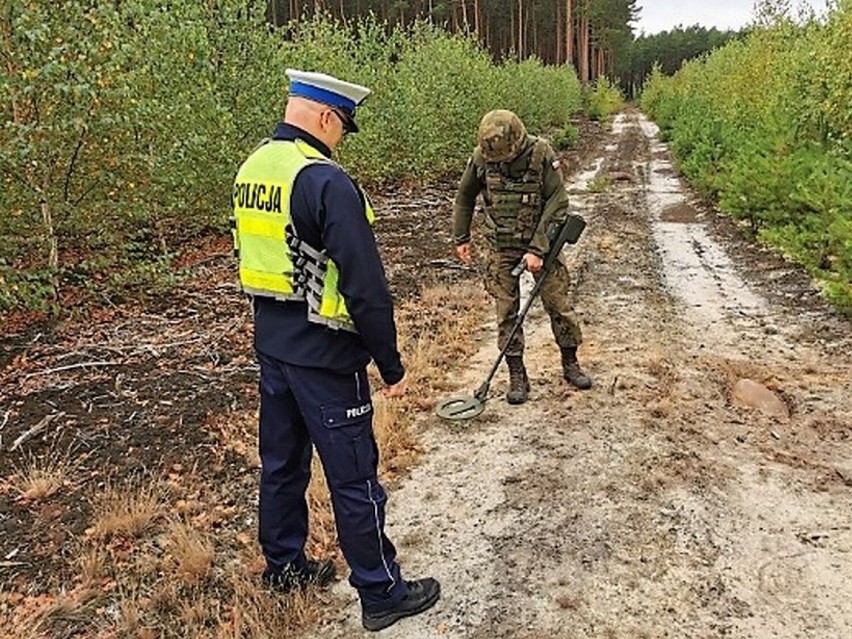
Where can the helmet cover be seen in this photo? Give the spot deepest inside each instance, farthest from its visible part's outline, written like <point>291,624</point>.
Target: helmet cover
<point>501,136</point>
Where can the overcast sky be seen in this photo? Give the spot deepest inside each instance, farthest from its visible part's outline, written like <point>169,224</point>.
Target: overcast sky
<point>663,15</point>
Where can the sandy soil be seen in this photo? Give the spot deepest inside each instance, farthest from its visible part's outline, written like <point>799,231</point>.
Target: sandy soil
<point>654,505</point>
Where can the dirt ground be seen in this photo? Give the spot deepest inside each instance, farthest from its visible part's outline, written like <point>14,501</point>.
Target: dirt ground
<point>659,504</point>
<point>653,505</point>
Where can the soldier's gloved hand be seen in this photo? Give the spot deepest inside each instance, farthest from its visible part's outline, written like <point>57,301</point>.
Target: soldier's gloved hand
<point>398,389</point>
<point>533,261</point>
<point>463,251</point>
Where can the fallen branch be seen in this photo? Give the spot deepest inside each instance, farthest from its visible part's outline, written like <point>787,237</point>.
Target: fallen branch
<point>451,265</point>
<point>44,423</point>
<point>70,367</point>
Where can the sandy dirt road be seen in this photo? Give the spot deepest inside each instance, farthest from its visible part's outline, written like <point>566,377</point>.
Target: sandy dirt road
<point>655,505</point>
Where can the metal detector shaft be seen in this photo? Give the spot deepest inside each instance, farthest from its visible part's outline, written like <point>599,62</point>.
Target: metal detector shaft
<point>568,233</point>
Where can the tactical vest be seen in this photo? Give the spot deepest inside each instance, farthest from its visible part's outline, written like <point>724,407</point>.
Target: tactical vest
<point>273,261</point>
<point>513,200</point>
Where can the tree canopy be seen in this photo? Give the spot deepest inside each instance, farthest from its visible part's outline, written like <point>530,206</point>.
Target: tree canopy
<point>586,33</point>
<point>669,50</point>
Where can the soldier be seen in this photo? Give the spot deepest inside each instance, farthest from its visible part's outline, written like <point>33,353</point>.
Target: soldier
<point>523,194</point>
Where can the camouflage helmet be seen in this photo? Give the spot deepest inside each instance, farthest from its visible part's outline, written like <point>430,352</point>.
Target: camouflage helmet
<point>501,136</point>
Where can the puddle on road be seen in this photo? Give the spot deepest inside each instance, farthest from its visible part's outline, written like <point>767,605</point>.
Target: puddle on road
<point>696,268</point>
<point>681,212</point>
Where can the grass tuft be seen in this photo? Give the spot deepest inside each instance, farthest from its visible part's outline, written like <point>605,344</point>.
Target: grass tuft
<point>191,552</point>
<point>128,509</point>
<point>39,478</point>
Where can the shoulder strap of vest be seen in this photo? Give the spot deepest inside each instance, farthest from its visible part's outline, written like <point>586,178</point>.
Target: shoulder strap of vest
<point>310,152</point>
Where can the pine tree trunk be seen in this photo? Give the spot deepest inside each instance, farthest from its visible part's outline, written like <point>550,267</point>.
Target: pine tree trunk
<point>520,29</point>
<point>476,16</point>
<point>532,20</point>
<point>569,32</point>
<point>559,58</point>
<point>583,45</point>
<point>513,32</point>
<point>591,69</point>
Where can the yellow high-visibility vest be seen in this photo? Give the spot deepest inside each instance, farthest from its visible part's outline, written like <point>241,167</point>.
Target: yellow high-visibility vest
<point>273,261</point>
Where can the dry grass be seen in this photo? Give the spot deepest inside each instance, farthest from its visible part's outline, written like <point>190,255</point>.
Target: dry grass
<point>190,551</point>
<point>39,478</point>
<point>323,535</point>
<point>436,334</point>
<point>254,613</point>
<point>435,343</point>
<point>92,567</point>
<point>128,509</point>
<point>44,617</point>
<point>138,574</point>
<point>397,444</point>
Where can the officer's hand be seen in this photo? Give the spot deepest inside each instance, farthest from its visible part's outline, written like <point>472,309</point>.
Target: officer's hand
<point>533,262</point>
<point>398,389</point>
<point>463,251</point>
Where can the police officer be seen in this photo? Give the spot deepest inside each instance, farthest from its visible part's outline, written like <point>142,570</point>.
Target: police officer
<point>322,311</point>
<point>523,194</point>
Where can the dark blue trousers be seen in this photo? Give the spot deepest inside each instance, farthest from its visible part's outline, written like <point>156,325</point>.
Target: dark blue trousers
<point>301,407</point>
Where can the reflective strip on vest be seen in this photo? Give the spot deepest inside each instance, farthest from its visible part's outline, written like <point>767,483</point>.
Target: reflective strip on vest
<point>273,262</point>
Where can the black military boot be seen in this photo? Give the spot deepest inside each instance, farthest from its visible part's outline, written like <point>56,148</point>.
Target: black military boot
<point>571,369</point>
<point>519,383</point>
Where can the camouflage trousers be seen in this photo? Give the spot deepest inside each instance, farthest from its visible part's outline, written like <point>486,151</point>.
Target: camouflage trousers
<point>505,288</point>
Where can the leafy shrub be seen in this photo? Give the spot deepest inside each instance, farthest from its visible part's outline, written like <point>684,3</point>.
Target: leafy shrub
<point>604,99</point>
<point>565,138</point>
<point>30,289</point>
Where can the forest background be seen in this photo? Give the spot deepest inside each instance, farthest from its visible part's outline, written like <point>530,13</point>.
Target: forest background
<point>124,123</point>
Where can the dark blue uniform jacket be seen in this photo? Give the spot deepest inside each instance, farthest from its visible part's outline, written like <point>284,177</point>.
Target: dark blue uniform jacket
<point>327,211</point>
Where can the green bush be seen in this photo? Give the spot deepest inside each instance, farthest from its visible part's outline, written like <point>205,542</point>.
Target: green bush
<point>128,120</point>
<point>565,138</point>
<point>604,99</point>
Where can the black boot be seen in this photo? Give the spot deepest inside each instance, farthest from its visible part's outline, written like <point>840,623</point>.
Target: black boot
<point>422,595</point>
<point>519,383</point>
<point>571,369</point>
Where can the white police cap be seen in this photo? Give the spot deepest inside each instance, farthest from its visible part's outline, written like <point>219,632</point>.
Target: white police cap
<point>326,89</point>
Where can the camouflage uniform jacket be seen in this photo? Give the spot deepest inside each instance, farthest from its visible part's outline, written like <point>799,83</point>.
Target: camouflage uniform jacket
<point>522,198</point>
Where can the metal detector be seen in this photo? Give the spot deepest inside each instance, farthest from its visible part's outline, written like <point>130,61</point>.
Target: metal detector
<point>467,407</point>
